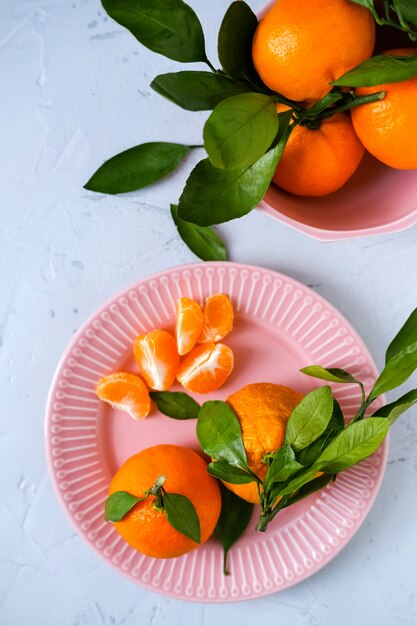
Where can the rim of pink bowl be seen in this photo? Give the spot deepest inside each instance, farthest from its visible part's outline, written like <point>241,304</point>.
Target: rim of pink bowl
<point>54,480</point>
<point>329,235</point>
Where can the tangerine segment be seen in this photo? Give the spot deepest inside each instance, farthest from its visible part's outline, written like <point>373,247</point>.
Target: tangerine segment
<point>388,128</point>
<point>147,529</point>
<point>319,162</point>
<point>206,367</point>
<point>189,324</point>
<point>263,410</point>
<point>217,318</point>
<point>126,392</point>
<point>289,52</point>
<point>157,357</point>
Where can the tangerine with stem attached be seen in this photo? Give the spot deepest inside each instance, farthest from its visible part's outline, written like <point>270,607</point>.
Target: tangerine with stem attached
<point>388,128</point>
<point>146,527</point>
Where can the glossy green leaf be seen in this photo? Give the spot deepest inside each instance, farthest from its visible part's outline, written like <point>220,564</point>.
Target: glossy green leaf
<point>240,130</point>
<point>368,4</point>
<point>234,518</point>
<point>408,9</point>
<point>379,70</point>
<point>310,418</point>
<point>229,473</point>
<point>398,369</point>
<point>175,404</point>
<point>355,443</point>
<point>219,433</point>
<point>308,455</point>
<point>212,196</point>
<point>332,374</point>
<point>168,27</point>
<point>235,42</point>
<point>137,167</point>
<point>393,410</point>
<point>283,466</point>
<point>308,488</point>
<point>197,91</point>
<point>329,100</point>
<point>182,515</point>
<point>406,336</point>
<point>201,240</point>
<point>296,483</point>
<point>119,504</point>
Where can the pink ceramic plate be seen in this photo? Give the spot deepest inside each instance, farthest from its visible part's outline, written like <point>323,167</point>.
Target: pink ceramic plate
<point>280,327</point>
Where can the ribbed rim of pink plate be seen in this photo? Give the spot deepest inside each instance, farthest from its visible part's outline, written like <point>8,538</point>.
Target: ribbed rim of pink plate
<point>383,452</point>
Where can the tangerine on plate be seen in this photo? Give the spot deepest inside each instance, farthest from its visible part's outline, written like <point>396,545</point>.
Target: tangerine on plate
<point>157,357</point>
<point>206,367</point>
<point>189,324</point>
<point>263,410</point>
<point>318,162</point>
<point>388,128</point>
<point>299,47</point>
<point>147,529</point>
<point>126,392</point>
<point>217,318</point>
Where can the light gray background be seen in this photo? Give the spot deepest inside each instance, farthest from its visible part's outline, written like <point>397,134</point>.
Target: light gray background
<point>75,91</point>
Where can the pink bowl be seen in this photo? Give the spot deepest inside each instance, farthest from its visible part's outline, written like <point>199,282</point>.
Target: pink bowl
<point>376,200</point>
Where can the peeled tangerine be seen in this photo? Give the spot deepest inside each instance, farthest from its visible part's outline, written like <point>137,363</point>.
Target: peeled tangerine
<point>189,324</point>
<point>157,357</point>
<point>126,392</point>
<point>217,318</point>
<point>206,368</point>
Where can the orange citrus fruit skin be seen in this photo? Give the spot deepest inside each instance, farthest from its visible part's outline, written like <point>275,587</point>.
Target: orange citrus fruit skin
<point>189,324</point>
<point>217,318</point>
<point>300,46</point>
<point>126,392</point>
<point>157,357</point>
<point>319,162</point>
<point>147,529</point>
<point>263,410</point>
<point>388,128</point>
<point>206,367</point>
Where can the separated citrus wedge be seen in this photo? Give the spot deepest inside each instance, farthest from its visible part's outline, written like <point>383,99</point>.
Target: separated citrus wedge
<point>126,392</point>
<point>217,318</point>
<point>206,368</point>
<point>189,324</point>
<point>157,357</point>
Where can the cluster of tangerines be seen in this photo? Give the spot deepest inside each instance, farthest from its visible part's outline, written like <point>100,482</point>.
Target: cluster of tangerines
<point>299,49</point>
<point>205,367</point>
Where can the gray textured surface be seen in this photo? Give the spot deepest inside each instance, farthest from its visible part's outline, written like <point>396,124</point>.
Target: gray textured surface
<point>75,90</point>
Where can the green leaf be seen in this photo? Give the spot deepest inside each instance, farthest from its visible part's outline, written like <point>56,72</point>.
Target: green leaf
<point>379,70</point>
<point>310,418</point>
<point>329,100</point>
<point>229,473</point>
<point>355,443</point>
<point>182,515</point>
<point>235,42</point>
<point>212,196</point>
<point>408,9</point>
<point>119,504</point>
<point>201,240</point>
<point>406,336</point>
<point>197,91</point>
<point>393,410</point>
<point>332,374</point>
<point>175,404</point>
<point>240,130</point>
<point>398,369</point>
<point>364,3</point>
<point>296,483</point>
<point>311,487</point>
<point>234,518</point>
<point>137,167</point>
<point>336,424</point>
<point>283,466</point>
<point>168,27</point>
<point>219,434</point>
